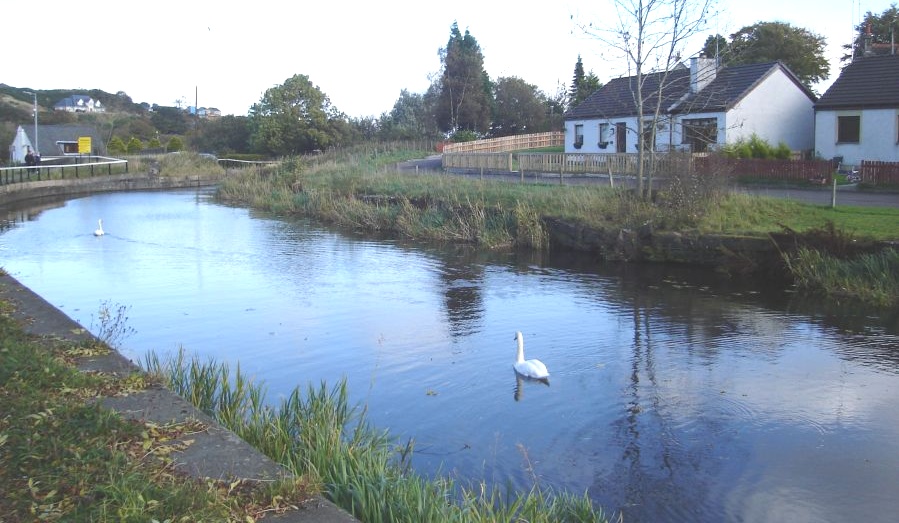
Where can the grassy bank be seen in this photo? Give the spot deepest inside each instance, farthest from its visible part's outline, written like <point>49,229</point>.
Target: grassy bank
<point>316,432</point>
<point>361,189</point>
<point>64,458</point>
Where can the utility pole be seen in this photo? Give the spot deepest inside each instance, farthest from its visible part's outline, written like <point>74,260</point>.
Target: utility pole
<point>36,150</point>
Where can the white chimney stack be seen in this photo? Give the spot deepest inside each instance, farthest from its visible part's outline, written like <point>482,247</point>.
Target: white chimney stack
<point>702,72</point>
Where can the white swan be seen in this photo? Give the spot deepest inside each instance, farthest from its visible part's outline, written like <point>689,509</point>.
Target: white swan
<point>99,231</point>
<point>528,368</point>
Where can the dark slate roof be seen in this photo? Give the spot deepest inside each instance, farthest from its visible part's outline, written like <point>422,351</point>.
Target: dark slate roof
<point>732,84</point>
<point>616,99</point>
<point>867,83</point>
<point>50,134</point>
<point>72,101</point>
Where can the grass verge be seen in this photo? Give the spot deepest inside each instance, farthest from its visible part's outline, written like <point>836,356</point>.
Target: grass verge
<point>65,458</point>
<point>362,469</point>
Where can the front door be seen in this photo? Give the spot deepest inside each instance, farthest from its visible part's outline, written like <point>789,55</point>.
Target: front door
<point>621,137</point>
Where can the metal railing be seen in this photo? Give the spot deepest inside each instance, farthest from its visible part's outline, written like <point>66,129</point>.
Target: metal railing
<point>49,169</point>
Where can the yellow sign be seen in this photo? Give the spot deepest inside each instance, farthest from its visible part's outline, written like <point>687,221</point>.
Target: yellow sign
<point>84,145</point>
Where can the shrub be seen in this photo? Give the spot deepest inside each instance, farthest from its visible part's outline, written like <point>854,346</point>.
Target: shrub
<point>135,145</point>
<point>175,144</point>
<point>117,146</point>
<point>756,147</point>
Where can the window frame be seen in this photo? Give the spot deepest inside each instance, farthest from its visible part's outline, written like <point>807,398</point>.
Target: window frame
<point>702,131</point>
<point>578,135</point>
<point>604,129</point>
<point>843,127</point>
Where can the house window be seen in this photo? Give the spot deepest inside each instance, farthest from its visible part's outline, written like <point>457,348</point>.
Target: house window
<point>700,134</point>
<point>578,136</point>
<point>849,129</point>
<point>603,135</point>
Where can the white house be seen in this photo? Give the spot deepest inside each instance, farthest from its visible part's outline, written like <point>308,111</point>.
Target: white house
<point>858,117</point>
<point>701,108</point>
<point>79,103</point>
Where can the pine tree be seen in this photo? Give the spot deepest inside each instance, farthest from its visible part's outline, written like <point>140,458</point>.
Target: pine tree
<point>582,85</point>
<point>465,91</point>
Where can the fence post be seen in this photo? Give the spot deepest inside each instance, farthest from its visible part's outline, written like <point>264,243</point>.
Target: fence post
<point>833,196</point>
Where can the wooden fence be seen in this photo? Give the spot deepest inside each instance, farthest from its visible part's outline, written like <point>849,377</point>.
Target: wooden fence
<point>508,143</point>
<point>782,170</point>
<point>627,164</point>
<point>879,173</point>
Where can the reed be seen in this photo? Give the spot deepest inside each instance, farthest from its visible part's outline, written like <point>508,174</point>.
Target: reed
<point>870,277</point>
<point>319,436</point>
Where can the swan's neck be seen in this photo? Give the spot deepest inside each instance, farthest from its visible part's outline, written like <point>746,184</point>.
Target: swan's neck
<point>520,350</point>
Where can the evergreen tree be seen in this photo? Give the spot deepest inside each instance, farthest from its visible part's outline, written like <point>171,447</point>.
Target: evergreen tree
<point>582,84</point>
<point>464,101</point>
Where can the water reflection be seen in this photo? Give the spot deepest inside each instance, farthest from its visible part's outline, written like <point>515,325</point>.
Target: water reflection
<point>677,395</point>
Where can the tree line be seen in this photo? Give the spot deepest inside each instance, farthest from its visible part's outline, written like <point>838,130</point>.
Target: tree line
<point>461,103</point>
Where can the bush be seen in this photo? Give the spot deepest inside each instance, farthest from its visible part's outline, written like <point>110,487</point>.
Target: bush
<point>135,146</point>
<point>117,146</point>
<point>175,144</point>
<point>464,136</point>
<point>756,147</point>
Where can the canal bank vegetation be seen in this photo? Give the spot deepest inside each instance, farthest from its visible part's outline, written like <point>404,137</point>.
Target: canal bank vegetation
<point>362,188</point>
<point>318,433</point>
<point>63,457</point>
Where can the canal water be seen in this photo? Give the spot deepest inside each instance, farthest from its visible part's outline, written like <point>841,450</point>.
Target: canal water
<point>674,394</point>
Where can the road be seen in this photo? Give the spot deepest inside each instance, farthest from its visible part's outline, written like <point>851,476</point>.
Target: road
<point>846,195</point>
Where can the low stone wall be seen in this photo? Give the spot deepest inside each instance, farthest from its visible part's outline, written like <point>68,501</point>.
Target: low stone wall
<point>120,182</point>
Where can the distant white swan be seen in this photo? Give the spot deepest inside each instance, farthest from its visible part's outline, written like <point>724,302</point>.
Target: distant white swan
<point>528,368</point>
<point>99,231</point>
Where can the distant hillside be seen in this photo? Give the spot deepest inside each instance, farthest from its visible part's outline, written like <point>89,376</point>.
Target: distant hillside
<point>46,99</point>
<point>122,117</point>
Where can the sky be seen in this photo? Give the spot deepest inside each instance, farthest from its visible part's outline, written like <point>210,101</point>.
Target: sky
<point>361,54</point>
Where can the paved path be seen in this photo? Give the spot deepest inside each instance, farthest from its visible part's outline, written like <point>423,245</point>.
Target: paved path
<point>846,195</point>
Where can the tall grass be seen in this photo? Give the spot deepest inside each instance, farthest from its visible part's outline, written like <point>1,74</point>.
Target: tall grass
<point>871,277</point>
<point>317,434</point>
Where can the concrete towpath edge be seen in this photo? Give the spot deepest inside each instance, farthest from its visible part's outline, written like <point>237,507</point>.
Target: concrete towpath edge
<point>215,452</point>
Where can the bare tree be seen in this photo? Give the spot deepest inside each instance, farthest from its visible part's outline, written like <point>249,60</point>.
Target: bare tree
<point>650,35</point>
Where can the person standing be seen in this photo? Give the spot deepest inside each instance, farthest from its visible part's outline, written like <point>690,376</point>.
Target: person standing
<point>29,158</point>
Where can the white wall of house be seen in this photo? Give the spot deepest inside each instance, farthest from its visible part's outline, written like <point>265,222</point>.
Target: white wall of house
<point>592,138</point>
<point>878,136</point>
<point>777,111</point>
